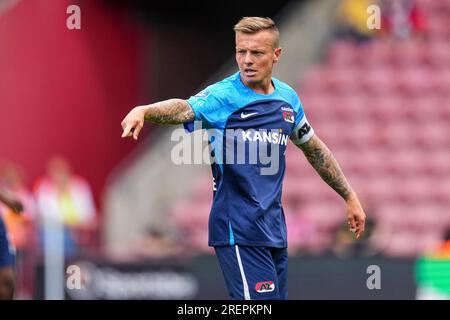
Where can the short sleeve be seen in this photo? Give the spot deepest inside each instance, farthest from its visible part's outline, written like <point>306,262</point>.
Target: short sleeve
<point>302,129</point>
<point>206,106</point>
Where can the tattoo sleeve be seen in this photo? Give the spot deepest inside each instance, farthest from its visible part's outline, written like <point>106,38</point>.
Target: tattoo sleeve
<point>323,161</point>
<point>173,111</point>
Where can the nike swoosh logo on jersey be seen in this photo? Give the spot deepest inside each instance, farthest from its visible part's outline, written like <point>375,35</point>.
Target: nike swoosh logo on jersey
<point>243,116</point>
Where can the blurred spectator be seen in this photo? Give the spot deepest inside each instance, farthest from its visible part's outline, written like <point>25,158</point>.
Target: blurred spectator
<point>65,196</point>
<point>157,243</point>
<point>345,244</point>
<point>402,19</point>
<point>21,228</point>
<point>352,20</point>
<point>443,249</point>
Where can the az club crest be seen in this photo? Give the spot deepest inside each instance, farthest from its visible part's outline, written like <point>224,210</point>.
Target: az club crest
<point>288,116</point>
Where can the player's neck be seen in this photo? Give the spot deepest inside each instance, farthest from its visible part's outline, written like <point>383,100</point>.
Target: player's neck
<point>263,87</point>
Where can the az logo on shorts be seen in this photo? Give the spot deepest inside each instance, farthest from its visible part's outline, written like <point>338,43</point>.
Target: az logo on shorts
<point>266,286</point>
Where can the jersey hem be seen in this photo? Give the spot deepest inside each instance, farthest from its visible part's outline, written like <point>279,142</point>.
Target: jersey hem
<point>248,244</point>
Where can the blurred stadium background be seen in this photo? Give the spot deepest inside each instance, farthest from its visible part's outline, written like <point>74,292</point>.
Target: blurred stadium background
<point>136,224</point>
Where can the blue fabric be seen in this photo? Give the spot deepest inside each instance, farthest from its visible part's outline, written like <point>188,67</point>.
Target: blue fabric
<point>265,271</point>
<point>247,206</point>
<point>7,252</point>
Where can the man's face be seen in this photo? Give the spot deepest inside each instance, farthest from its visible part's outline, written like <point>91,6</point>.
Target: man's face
<point>255,56</point>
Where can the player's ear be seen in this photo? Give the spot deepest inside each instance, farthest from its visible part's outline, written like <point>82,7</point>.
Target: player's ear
<point>276,55</point>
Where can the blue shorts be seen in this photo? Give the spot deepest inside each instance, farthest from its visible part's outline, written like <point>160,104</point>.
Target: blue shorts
<point>7,252</point>
<point>254,273</point>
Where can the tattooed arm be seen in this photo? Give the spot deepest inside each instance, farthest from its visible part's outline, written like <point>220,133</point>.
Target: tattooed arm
<point>323,161</point>
<point>173,111</point>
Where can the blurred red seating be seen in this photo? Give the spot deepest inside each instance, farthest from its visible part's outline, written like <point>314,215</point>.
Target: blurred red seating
<point>437,54</point>
<point>408,54</point>
<point>324,216</point>
<point>375,54</point>
<point>414,81</point>
<point>342,53</point>
<point>378,81</point>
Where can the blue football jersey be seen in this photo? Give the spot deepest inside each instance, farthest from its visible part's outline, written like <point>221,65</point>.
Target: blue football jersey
<point>248,134</point>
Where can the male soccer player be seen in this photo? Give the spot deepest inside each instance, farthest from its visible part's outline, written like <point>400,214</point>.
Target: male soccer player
<point>251,108</point>
<point>6,250</point>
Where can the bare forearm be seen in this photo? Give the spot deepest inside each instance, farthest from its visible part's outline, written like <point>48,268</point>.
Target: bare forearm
<point>173,111</point>
<point>323,161</point>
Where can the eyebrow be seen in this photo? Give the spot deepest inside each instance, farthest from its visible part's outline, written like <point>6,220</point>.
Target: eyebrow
<point>256,49</point>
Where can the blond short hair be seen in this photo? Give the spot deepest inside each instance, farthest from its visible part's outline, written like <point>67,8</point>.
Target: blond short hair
<point>253,25</point>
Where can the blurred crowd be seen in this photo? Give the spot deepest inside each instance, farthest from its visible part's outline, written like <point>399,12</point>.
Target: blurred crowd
<point>59,196</point>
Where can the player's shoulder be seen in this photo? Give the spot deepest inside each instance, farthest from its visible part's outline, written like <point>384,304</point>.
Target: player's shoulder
<point>285,90</point>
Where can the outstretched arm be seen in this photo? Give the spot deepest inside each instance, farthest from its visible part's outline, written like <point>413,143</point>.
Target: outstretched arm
<point>323,161</point>
<point>11,201</point>
<point>173,111</point>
